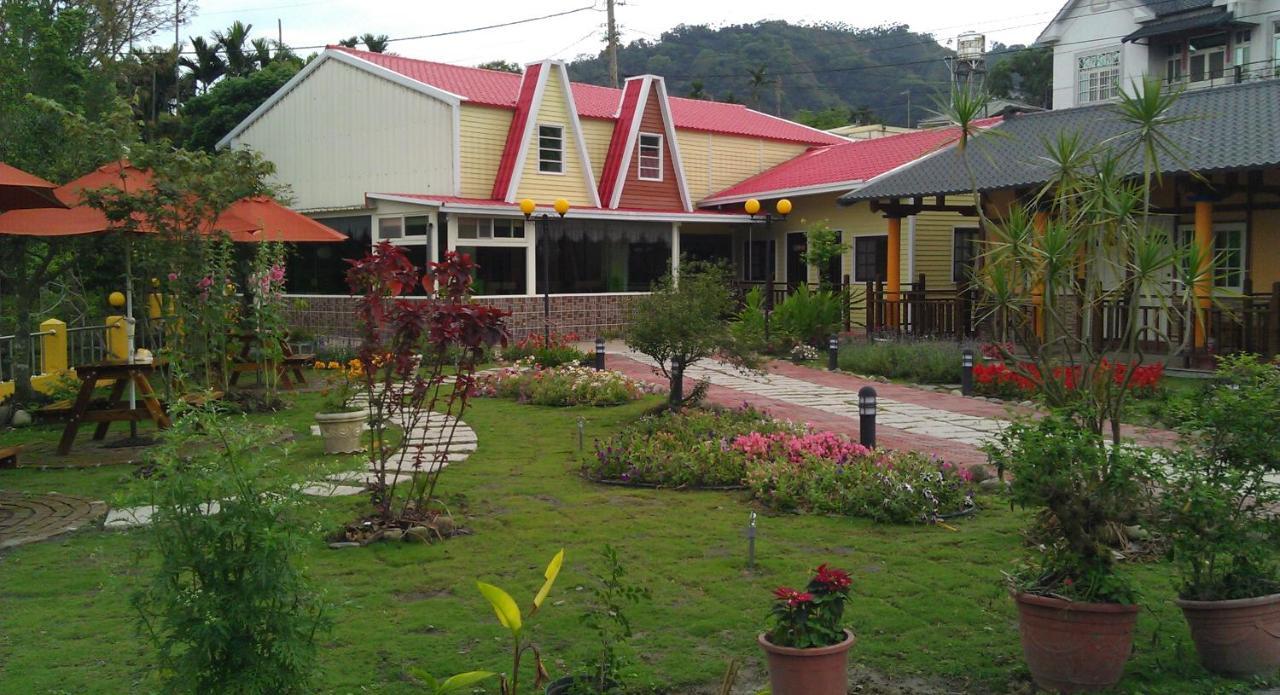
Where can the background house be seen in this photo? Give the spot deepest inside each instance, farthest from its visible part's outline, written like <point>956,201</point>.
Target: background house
<point>1102,46</point>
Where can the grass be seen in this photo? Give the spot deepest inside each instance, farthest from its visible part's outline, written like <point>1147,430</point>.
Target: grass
<point>928,603</point>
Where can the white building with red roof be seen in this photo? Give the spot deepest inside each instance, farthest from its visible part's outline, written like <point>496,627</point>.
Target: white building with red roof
<point>436,157</point>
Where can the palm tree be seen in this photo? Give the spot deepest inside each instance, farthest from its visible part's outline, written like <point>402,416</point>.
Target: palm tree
<point>350,42</point>
<point>697,90</point>
<point>375,44</point>
<point>758,80</point>
<point>233,42</point>
<point>261,52</point>
<point>207,66</point>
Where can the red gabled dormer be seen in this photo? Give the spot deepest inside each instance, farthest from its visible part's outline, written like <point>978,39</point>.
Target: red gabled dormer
<point>516,135</point>
<point>642,168</point>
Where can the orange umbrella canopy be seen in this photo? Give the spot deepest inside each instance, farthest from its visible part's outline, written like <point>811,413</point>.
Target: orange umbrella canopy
<point>20,190</point>
<point>246,220</point>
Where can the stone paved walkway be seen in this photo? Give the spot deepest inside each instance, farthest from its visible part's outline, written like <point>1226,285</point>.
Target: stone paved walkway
<point>953,427</point>
<point>27,518</point>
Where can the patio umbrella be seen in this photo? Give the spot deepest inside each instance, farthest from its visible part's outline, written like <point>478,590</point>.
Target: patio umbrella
<point>247,220</point>
<point>20,190</point>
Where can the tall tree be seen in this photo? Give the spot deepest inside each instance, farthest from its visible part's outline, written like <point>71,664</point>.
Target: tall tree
<point>503,66</point>
<point>697,90</point>
<point>120,24</point>
<point>375,43</point>
<point>1022,73</point>
<point>233,41</point>
<point>758,78</point>
<point>207,66</point>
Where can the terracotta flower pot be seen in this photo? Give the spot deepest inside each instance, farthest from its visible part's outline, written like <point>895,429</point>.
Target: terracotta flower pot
<point>341,431</point>
<point>1073,646</point>
<point>1238,638</point>
<point>816,671</point>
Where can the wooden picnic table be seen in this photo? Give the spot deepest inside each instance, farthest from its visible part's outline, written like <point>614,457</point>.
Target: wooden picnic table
<point>290,362</point>
<point>117,406</point>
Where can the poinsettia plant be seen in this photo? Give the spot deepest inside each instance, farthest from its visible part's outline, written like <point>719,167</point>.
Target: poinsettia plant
<point>813,617</point>
<point>418,361</point>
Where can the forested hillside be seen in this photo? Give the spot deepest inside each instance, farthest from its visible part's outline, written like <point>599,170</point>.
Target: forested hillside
<point>828,72</point>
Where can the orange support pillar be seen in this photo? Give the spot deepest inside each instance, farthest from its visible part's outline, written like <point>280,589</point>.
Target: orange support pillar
<point>1041,223</point>
<point>1204,274</point>
<point>893,269</point>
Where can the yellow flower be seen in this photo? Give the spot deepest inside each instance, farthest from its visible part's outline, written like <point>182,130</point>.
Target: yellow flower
<point>334,365</point>
<point>318,365</point>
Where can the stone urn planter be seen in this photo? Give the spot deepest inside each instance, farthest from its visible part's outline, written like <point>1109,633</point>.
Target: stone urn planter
<point>1073,646</point>
<point>341,431</point>
<point>1238,638</point>
<point>815,671</point>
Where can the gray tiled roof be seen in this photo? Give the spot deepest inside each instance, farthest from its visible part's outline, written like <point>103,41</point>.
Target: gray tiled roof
<point>1235,127</point>
<point>1165,7</point>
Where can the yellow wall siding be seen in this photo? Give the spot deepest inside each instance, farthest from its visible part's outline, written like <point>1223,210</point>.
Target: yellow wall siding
<point>484,134</point>
<point>341,133</point>
<point>597,133</point>
<point>570,184</point>
<point>714,162</point>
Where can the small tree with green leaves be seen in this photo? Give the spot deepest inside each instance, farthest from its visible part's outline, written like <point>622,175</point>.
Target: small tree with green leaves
<point>822,246</point>
<point>683,321</point>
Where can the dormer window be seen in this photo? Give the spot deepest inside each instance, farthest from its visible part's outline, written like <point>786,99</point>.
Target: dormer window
<point>550,149</point>
<point>650,157</point>
<point>1098,76</point>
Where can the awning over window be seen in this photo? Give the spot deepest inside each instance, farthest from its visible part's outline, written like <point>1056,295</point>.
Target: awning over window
<point>1199,20</point>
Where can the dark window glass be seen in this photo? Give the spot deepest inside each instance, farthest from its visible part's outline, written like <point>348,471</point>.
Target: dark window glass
<point>499,269</point>
<point>417,226</point>
<point>870,258</point>
<point>322,268</point>
<point>758,260</point>
<point>551,149</point>
<point>964,254</point>
<point>707,248</point>
<point>589,256</point>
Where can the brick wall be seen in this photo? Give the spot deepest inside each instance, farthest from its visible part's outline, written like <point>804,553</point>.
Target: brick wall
<point>586,315</point>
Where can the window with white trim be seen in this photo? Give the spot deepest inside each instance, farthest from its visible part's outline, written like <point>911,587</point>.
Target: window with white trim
<point>1275,46</point>
<point>500,250</point>
<point>650,157</point>
<point>551,149</point>
<point>490,228</point>
<point>1228,253</point>
<point>1098,76</point>
<point>390,228</point>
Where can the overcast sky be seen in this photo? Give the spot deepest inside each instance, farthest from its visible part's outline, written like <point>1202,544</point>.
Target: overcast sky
<point>317,22</point>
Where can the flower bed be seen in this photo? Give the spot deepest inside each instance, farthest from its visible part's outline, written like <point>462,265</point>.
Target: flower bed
<point>556,351</point>
<point>564,385</point>
<point>784,466</point>
<point>690,448</point>
<point>1001,381</point>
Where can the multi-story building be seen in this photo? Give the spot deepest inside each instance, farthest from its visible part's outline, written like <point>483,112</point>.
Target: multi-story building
<point>1103,46</point>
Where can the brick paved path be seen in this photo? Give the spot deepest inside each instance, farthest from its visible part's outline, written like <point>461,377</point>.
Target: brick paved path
<point>952,427</point>
<point>27,518</point>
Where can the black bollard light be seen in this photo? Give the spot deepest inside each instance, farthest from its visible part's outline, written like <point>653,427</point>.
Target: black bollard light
<point>966,372</point>
<point>833,353</point>
<point>867,416</point>
<point>599,353</point>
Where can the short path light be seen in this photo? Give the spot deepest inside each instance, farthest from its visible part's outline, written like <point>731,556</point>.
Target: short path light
<point>833,353</point>
<point>582,432</point>
<point>599,353</point>
<point>867,416</point>
<point>966,371</point>
<point>751,541</point>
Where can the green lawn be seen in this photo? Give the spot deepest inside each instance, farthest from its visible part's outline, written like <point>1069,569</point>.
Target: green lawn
<point>928,603</point>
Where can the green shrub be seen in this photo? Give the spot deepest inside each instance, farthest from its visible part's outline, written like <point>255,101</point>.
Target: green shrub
<point>809,317</point>
<point>561,386</point>
<point>747,328</point>
<point>559,350</point>
<point>921,362</point>
<point>228,607</point>
<point>689,448</point>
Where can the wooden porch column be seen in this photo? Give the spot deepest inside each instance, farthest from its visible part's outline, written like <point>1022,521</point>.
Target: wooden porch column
<point>1204,274</point>
<point>893,269</point>
<point>1041,223</point>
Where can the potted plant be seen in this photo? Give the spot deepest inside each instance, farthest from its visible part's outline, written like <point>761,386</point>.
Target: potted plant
<point>341,423</point>
<point>1076,614</point>
<point>1218,515</point>
<point>808,646</point>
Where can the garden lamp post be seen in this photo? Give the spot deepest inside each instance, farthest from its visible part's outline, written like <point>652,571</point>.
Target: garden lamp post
<point>782,208</point>
<point>867,416</point>
<point>527,207</point>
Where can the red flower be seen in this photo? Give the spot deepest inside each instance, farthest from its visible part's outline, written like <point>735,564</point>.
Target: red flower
<point>791,596</point>
<point>831,578</point>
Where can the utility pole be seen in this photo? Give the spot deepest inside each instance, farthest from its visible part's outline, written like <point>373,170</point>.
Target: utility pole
<point>279,34</point>
<point>612,38</point>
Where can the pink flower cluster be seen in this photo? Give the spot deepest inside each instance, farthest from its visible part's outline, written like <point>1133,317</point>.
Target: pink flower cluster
<point>795,447</point>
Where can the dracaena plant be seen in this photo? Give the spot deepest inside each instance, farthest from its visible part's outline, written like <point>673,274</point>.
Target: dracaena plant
<point>418,361</point>
<point>813,617</point>
<point>516,622</point>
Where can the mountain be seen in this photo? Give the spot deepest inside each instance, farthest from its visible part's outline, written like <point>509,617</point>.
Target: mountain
<point>793,70</point>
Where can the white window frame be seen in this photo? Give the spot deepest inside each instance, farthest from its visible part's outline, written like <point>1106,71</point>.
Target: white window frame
<point>455,229</point>
<point>1083,85</point>
<point>527,242</point>
<point>541,161</point>
<point>1275,46</point>
<point>1187,235</point>
<point>640,156</point>
<point>416,241</point>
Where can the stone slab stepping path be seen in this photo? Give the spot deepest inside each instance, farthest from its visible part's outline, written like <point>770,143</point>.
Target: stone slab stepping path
<point>27,517</point>
<point>425,439</point>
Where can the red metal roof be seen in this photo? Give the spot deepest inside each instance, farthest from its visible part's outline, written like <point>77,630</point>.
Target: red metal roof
<point>618,141</point>
<point>515,134</point>
<point>502,89</point>
<point>850,162</point>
